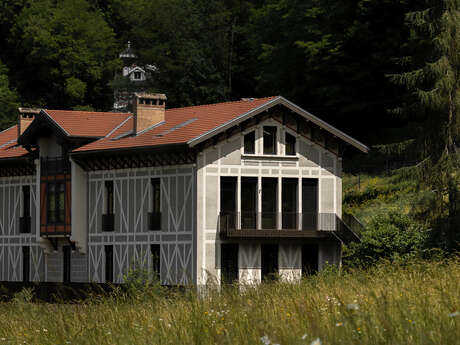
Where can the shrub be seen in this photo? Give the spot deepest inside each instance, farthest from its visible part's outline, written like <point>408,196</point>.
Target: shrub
<point>390,235</point>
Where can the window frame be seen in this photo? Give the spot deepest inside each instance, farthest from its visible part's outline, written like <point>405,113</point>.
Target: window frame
<point>286,133</point>
<point>275,140</point>
<point>59,213</point>
<point>253,132</point>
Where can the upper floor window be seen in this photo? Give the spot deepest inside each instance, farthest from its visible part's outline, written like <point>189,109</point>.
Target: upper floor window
<point>109,207</point>
<point>155,217</point>
<point>290,144</point>
<point>137,75</point>
<point>55,203</point>
<point>269,140</point>
<point>250,143</point>
<point>26,200</point>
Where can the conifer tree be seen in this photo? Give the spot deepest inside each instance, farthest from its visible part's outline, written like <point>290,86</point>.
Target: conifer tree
<point>434,82</point>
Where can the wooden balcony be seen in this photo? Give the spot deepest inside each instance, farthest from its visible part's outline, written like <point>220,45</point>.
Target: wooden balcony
<point>284,225</point>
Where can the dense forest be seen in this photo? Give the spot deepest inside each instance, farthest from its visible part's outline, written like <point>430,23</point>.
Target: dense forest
<point>385,71</point>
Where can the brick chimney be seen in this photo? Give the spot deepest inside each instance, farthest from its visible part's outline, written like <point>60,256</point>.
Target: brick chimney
<point>149,109</point>
<point>25,118</point>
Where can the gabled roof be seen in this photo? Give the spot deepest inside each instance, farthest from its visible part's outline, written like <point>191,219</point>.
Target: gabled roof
<point>8,144</point>
<point>187,126</point>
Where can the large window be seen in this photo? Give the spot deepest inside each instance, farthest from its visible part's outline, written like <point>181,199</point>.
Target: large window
<point>269,140</point>
<point>55,203</point>
<point>269,202</point>
<point>290,144</point>
<point>250,143</point>
<point>26,200</point>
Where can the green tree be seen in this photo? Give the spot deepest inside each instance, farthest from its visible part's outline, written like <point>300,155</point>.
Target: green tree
<point>433,78</point>
<point>69,54</point>
<point>8,100</point>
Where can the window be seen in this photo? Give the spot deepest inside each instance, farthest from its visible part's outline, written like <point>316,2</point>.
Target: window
<point>250,143</point>
<point>24,221</point>
<point>25,264</point>
<point>155,250</point>
<point>66,251</point>
<point>269,261</point>
<point>156,192</point>
<point>137,75</point>
<point>108,264</point>
<point>229,263</point>
<point>155,216</point>
<point>108,218</point>
<point>269,202</point>
<point>290,144</point>
<point>55,203</point>
<point>269,140</point>
<point>109,207</point>
<point>26,200</point>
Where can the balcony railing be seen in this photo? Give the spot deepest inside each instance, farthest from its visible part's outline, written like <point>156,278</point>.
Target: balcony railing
<point>154,220</point>
<point>54,166</point>
<point>286,224</point>
<point>108,222</point>
<point>24,225</point>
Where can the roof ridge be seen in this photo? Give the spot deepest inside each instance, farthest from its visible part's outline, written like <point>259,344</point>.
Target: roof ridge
<point>90,112</point>
<point>219,103</point>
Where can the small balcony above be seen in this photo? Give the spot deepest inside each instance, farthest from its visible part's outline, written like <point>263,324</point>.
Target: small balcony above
<point>50,166</point>
<point>276,225</point>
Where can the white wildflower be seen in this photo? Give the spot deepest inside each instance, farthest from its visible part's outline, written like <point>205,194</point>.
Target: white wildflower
<point>265,340</point>
<point>317,341</point>
<point>352,306</point>
<point>454,314</point>
<point>304,336</point>
<point>338,324</point>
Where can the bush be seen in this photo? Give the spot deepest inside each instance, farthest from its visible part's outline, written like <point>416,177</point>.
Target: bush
<point>391,235</point>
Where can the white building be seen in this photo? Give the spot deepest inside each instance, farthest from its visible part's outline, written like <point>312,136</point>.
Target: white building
<point>239,190</point>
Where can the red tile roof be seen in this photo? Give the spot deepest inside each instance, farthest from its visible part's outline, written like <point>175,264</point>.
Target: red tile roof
<point>180,126</point>
<point>87,123</point>
<point>8,144</point>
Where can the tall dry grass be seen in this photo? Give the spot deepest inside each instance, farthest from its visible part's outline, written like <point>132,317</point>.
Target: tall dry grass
<point>415,304</point>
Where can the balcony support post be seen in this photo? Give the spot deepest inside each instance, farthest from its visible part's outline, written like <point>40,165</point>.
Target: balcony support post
<point>279,206</point>
<point>259,202</point>
<point>299,204</point>
<point>238,203</point>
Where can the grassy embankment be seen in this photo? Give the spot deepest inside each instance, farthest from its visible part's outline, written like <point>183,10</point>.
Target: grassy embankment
<point>415,304</point>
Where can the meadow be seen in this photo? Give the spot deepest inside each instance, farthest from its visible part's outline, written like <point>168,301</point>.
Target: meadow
<point>417,303</point>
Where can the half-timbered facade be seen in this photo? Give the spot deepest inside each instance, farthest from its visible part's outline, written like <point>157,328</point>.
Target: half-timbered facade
<point>245,190</point>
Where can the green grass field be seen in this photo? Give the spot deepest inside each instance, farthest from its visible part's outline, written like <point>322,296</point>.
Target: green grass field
<point>415,304</point>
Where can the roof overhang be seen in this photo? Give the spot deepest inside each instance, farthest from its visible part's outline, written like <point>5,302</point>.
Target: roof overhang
<point>269,104</point>
<point>44,125</point>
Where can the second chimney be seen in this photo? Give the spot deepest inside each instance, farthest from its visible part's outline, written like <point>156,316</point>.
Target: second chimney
<point>149,109</point>
<point>25,118</point>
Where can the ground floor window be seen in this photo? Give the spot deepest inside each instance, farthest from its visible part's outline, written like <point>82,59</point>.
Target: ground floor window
<point>108,264</point>
<point>309,259</point>
<point>67,252</point>
<point>229,263</point>
<point>25,264</point>
<point>155,251</point>
<point>269,261</point>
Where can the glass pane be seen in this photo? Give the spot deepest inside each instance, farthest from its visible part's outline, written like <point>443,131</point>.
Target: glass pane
<point>269,203</point>
<point>269,140</point>
<point>51,205</point>
<point>249,142</point>
<point>60,204</point>
<point>248,202</point>
<point>289,203</point>
<point>290,144</point>
<point>156,195</point>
